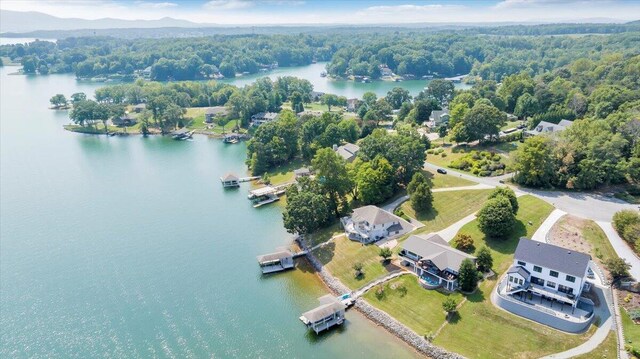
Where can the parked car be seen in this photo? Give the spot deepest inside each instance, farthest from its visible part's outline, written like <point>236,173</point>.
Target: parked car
<point>442,170</point>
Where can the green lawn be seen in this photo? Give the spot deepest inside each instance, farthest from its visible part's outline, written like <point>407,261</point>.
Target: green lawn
<point>197,123</point>
<point>484,331</point>
<point>606,349</point>
<point>418,308</point>
<point>339,256</point>
<point>448,208</point>
<point>284,173</point>
<point>439,180</point>
<point>324,234</point>
<point>532,210</point>
<point>631,330</point>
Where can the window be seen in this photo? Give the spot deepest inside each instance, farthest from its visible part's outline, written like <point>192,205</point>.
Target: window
<point>551,284</point>
<point>520,281</point>
<point>536,280</point>
<point>537,269</point>
<point>565,289</point>
<point>571,279</point>
<point>511,279</point>
<point>553,273</point>
<point>521,263</point>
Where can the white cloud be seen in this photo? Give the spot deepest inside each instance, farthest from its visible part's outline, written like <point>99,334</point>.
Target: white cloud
<point>155,5</point>
<point>228,4</point>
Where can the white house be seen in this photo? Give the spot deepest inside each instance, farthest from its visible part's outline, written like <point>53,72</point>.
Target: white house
<point>348,151</point>
<point>548,127</point>
<point>438,118</point>
<point>549,271</point>
<point>262,117</point>
<point>434,261</point>
<point>352,104</point>
<point>370,223</point>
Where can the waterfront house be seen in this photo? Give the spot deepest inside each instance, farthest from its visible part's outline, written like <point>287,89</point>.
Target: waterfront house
<point>438,118</point>
<point>353,104</point>
<point>230,180</point>
<point>263,117</point>
<point>123,121</point>
<point>545,284</point>
<point>348,151</point>
<point>139,107</point>
<point>369,224</point>
<point>302,172</point>
<point>211,113</point>
<point>435,262</point>
<point>548,127</point>
<point>329,313</point>
<point>275,262</point>
<point>315,96</point>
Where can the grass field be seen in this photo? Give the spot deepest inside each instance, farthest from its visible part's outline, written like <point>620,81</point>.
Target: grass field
<point>439,180</point>
<point>418,308</point>
<point>324,234</point>
<point>606,349</point>
<point>484,331</point>
<point>339,256</point>
<point>284,173</point>
<point>532,210</point>
<point>631,330</point>
<point>448,208</point>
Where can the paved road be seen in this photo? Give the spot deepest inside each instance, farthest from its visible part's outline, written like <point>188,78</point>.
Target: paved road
<point>587,205</point>
<point>545,227</point>
<point>621,247</point>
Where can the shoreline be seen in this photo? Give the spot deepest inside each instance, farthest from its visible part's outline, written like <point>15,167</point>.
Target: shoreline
<point>377,316</point>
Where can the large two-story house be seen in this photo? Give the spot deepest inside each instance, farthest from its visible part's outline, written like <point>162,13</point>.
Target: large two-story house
<point>547,270</point>
<point>435,262</point>
<point>370,223</point>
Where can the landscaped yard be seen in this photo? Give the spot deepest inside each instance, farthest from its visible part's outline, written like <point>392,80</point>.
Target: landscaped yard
<point>418,308</point>
<point>631,330</point>
<point>484,331</point>
<point>455,152</point>
<point>448,208</point>
<point>439,180</point>
<point>583,235</point>
<point>532,210</point>
<point>284,173</point>
<point>324,234</point>
<point>606,349</point>
<point>339,256</point>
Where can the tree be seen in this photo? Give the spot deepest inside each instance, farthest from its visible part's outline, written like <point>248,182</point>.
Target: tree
<point>77,97</point>
<point>617,267</point>
<point>463,242</point>
<point>482,123</point>
<point>305,211</point>
<point>507,193</point>
<point>457,113</point>
<point>526,106</point>
<point>496,218</point>
<point>58,101</point>
<point>484,260</point>
<point>442,132</point>
<point>332,175</point>
<point>329,100</point>
<point>417,179</point>
<point>296,102</point>
<point>385,253</point>
<point>421,198</point>
<point>440,90</point>
<point>533,162</point>
<point>375,181</point>
<point>357,268</point>
<point>449,305</point>
<point>467,276</point>
<point>397,96</point>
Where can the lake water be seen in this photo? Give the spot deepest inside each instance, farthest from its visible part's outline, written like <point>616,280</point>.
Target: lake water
<point>350,89</point>
<point>129,247</point>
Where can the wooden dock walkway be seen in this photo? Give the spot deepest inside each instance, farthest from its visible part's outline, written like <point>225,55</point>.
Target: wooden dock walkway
<point>248,179</point>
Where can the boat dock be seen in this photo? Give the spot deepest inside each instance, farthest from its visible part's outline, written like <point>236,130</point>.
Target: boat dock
<point>276,262</point>
<point>328,314</point>
<point>230,180</point>
<point>182,134</point>
<point>267,194</point>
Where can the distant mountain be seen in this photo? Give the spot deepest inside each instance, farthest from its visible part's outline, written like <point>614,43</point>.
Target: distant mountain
<point>17,21</point>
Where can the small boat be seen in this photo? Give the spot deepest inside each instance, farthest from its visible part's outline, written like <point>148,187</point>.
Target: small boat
<point>323,74</point>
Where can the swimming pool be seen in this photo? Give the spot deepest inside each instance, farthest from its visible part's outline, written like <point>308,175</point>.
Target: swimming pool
<point>430,279</point>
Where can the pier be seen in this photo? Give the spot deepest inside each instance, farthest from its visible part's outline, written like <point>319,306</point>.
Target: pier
<point>268,194</point>
<point>230,180</point>
<point>328,314</point>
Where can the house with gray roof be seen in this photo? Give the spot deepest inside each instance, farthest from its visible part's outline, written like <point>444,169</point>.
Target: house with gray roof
<point>262,118</point>
<point>438,118</point>
<point>211,113</point>
<point>369,224</point>
<point>329,313</point>
<point>435,262</point>
<point>548,127</point>
<point>545,283</point>
<point>348,151</point>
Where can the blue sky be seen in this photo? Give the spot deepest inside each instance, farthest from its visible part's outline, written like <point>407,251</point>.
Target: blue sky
<point>257,12</point>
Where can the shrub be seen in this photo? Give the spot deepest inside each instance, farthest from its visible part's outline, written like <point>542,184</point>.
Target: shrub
<point>443,154</point>
<point>618,267</point>
<point>379,292</point>
<point>357,268</point>
<point>496,218</point>
<point>468,276</point>
<point>449,305</point>
<point>463,242</point>
<point>385,253</point>
<point>625,218</point>
<point>484,259</point>
<point>507,193</point>
<point>430,151</point>
<point>479,163</point>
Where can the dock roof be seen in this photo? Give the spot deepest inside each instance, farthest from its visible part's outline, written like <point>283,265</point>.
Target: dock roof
<point>328,306</point>
<point>229,177</point>
<point>263,191</point>
<point>276,256</point>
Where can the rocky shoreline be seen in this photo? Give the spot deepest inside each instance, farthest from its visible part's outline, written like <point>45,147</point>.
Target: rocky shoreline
<point>380,317</point>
